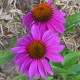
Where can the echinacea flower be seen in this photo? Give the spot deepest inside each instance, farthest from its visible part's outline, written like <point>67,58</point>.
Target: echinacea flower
<point>34,51</point>
<point>45,16</point>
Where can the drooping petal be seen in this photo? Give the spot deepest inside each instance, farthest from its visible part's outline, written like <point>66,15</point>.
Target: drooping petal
<point>19,55</point>
<point>55,48</point>
<point>27,38</point>
<point>20,61</point>
<point>60,19</point>
<point>25,66</point>
<point>32,69</point>
<point>22,41</point>
<point>47,35</point>
<point>59,13</point>
<point>41,69</point>
<point>53,41</point>
<point>27,19</point>
<point>47,66</point>
<point>51,28</point>
<point>54,57</point>
<point>35,32</point>
<point>37,74</point>
<point>18,49</point>
<point>58,26</point>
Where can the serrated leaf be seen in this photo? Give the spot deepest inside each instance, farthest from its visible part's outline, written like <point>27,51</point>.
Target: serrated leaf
<point>73,19</point>
<point>70,59</point>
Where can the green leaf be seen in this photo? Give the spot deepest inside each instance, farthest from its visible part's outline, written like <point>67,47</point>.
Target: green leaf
<point>66,51</point>
<point>22,77</point>
<point>64,76</point>
<point>77,77</point>
<point>60,70</point>
<point>5,56</point>
<point>76,68</point>
<point>70,59</point>
<point>49,78</point>
<point>13,43</point>
<point>72,20</point>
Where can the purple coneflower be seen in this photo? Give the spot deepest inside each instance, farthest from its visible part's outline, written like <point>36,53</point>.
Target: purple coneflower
<point>34,51</point>
<point>45,16</point>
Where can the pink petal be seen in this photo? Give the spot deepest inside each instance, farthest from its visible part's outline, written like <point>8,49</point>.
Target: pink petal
<point>18,45</point>
<point>43,28</point>
<point>50,27</point>
<point>47,35</point>
<point>55,48</point>
<point>22,41</point>
<point>50,2</point>
<point>60,19</point>
<point>35,32</point>
<point>19,55</point>
<point>47,66</point>
<point>58,26</point>
<point>25,65</point>
<point>18,49</point>
<point>54,57</point>
<point>59,13</point>
<point>53,41</point>
<point>41,70</point>
<point>37,74</point>
<point>27,19</point>
<point>27,38</point>
<point>32,69</point>
<point>20,61</point>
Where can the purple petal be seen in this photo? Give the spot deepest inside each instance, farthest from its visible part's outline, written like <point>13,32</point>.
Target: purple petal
<point>53,41</point>
<point>59,13</point>
<point>37,74</point>
<point>43,28</point>
<point>19,55</point>
<point>58,26</point>
<point>55,48</point>
<point>20,61</point>
<point>18,49</point>
<point>50,27</point>
<point>27,38</point>
<point>47,35</point>
<point>54,57</point>
<point>41,70</point>
<point>47,66</point>
<point>27,19</point>
<point>32,69</point>
<point>60,19</point>
<point>50,2</point>
<point>22,41</point>
<point>35,32</point>
<point>18,45</point>
<point>25,65</point>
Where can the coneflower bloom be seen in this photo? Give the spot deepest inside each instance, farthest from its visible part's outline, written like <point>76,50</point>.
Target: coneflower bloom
<point>33,52</point>
<point>45,16</point>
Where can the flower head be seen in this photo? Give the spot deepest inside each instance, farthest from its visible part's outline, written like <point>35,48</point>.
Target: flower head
<point>33,50</point>
<point>45,16</point>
